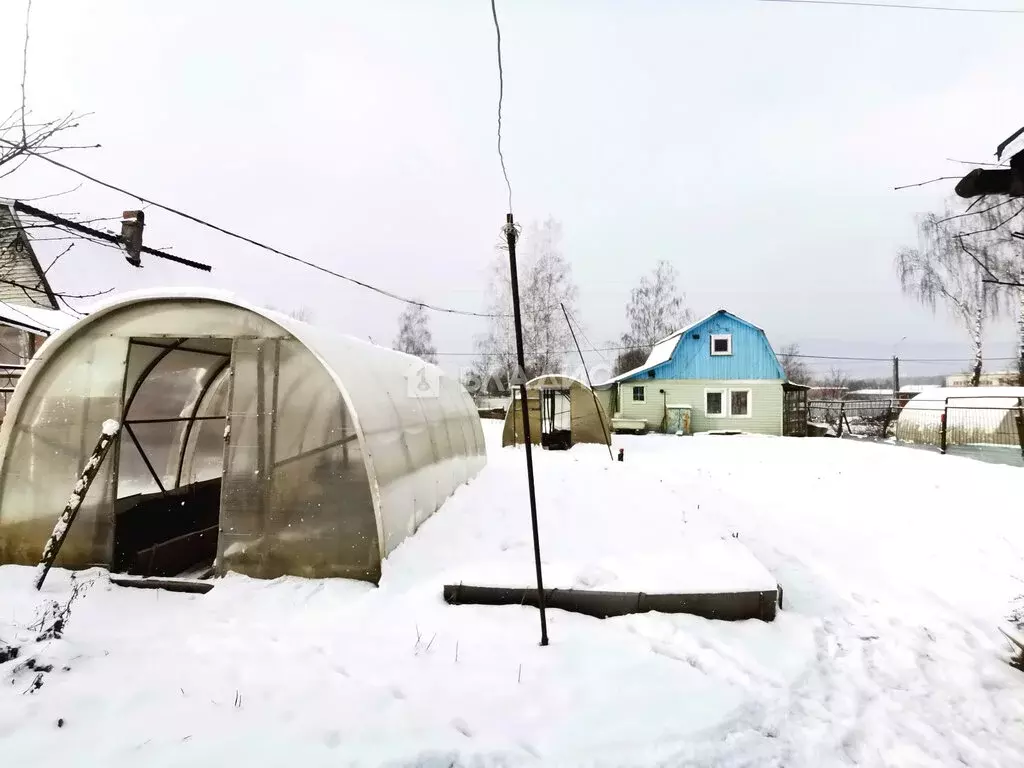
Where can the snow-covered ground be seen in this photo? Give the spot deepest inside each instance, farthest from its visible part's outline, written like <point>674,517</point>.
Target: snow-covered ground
<point>897,567</point>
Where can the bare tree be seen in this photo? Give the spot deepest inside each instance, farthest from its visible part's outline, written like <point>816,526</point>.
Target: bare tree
<point>545,283</point>
<point>21,139</point>
<point>548,285</point>
<point>987,236</point>
<point>832,388</point>
<point>793,366</point>
<point>656,308</point>
<point>414,335</point>
<point>631,358</point>
<point>834,385</point>
<point>945,269</point>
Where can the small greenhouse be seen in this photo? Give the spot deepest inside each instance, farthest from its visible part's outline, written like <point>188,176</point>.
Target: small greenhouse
<point>250,441</point>
<point>982,416</point>
<point>562,411</point>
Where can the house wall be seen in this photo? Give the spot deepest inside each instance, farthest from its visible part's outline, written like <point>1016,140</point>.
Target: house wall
<point>752,356</point>
<point>766,403</point>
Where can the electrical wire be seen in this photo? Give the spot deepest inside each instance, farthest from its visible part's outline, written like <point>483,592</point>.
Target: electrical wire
<point>270,248</point>
<point>900,6</point>
<point>580,329</point>
<point>501,98</point>
<point>839,358</point>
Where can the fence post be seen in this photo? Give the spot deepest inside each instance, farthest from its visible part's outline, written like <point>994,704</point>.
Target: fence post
<point>945,413</point>
<point>842,413</point>
<point>1020,423</point>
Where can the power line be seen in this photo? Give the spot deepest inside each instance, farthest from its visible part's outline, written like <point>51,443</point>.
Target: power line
<point>900,6</point>
<point>839,358</point>
<point>580,329</point>
<point>264,246</point>
<point>501,97</point>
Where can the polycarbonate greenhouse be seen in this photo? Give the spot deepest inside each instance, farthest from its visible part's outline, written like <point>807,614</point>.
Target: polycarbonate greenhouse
<point>563,411</point>
<point>972,416</point>
<point>250,442</point>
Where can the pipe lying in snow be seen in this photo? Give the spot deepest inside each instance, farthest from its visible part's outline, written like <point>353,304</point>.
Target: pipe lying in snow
<point>725,606</point>
<point>155,582</point>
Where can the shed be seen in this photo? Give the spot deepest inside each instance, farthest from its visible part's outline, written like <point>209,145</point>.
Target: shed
<point>251,442</point>
<point>973,415</point>
<point>557,405</point>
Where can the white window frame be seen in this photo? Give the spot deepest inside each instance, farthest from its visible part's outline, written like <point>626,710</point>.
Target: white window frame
<point>718,336</point>
<point>750,403</point>
<point>726,393</point>
<point>725,403</point>
<point>643,391</point>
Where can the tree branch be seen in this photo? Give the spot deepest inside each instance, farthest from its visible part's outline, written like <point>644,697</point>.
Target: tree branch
<point>930,181</point>
<point>24,73</point>
<point>994,227</point>
<point>965,249</point>
<point>973,213</point>
<point>57,258</point>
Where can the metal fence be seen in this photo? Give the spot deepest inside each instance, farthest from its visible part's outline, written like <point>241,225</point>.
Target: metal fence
<point>864,418</point>
<point>990,427</point>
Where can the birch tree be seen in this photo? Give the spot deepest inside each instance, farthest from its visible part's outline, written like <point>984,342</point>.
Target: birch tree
<point>987,235</point>
<point>656,309</point>
<point>414,335</point>
<point>793,365</point>
<point>945,270</point>
<point>545,283</point>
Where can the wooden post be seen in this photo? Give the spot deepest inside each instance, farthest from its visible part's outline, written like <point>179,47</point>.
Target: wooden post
<point>67,517</point>
<point>945,414</point>
<point>842,415</point>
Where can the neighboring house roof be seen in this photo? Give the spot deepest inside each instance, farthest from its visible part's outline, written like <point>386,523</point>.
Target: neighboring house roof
<point>22,281</point>
<point>35,319</point>
<point>664,349</point>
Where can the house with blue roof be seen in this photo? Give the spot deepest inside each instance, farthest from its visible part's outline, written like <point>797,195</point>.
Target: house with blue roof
<point>718,374</point>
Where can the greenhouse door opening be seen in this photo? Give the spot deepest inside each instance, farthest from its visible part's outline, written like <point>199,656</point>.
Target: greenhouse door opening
<point>170,456</point>
<point>555,419</point>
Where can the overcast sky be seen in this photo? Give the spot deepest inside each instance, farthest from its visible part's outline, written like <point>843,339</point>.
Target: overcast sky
<point>754,145</point>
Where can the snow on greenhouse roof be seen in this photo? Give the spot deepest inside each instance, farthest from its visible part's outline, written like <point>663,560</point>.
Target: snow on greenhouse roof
<point>993,397</point>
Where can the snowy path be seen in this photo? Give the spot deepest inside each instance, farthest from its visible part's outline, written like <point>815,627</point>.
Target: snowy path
<point>906,561</point>
<point>897,566</point>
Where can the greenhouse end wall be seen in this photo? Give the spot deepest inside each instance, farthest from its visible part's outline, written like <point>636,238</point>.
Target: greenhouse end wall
<point>331,457</point>
<point>588,422</point>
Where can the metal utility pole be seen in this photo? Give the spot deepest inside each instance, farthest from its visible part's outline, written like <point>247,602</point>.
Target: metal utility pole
<point>510,237</point>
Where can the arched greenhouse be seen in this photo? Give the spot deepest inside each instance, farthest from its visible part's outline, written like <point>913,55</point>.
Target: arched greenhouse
<point>562,410</point>
<point>250,442</point>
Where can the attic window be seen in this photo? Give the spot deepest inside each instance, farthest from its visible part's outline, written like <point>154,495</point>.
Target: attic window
<point>721,344</point>
<point>650,374</point>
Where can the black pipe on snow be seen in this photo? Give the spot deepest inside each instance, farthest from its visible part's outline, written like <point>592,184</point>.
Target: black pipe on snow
<point>725,606</point>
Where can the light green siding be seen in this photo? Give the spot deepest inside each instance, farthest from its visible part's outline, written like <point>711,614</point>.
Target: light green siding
<point>765,403</point>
